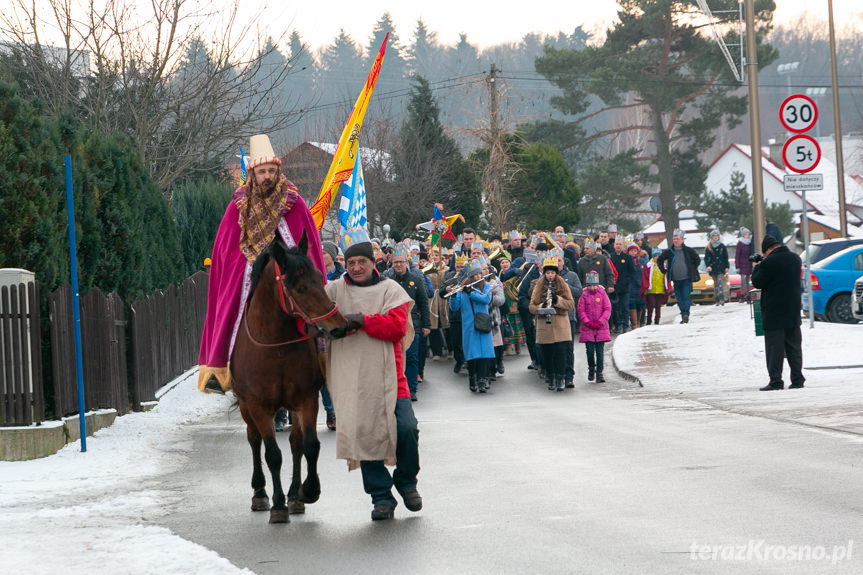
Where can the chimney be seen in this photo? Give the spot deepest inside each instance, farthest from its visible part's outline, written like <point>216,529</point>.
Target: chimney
<point>776,151</point>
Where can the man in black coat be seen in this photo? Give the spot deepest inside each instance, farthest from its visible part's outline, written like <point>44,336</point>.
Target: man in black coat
<point>778,278</point>
<point>625,266</point>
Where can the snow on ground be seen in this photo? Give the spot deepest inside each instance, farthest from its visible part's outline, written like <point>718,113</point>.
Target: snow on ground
<point>90,512</point>
<point>718,359</point>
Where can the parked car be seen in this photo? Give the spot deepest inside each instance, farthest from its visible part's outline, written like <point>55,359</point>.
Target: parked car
<point>824,248</point>
<point>832,280</point>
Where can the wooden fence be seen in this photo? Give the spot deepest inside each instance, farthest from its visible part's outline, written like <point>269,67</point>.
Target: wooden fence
<point>162,337</point>
<point>166,333</point>
<point>22,400</point>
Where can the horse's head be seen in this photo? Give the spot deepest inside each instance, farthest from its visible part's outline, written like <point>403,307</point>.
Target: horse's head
<point>303,288</point>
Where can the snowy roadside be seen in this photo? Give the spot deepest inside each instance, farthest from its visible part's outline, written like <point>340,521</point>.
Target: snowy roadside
<point>91,512</point>
<point>717,359</point>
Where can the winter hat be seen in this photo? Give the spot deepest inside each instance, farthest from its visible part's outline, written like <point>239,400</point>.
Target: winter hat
<point>356,242</point>
<point>331,248</point>
<point>261,152</point>
<point>714,232</point>
<point>768,242</point>
<point>592,278</point>
<point>631,246</point>
<point>744,231</point>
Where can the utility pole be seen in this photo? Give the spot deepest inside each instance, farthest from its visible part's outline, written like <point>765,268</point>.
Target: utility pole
<point>837,127</point>
<point>754,125</point>
<point>497,160</point>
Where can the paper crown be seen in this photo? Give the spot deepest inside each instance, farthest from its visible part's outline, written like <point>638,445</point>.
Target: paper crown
<point>352,237</point>
<point>592,278</point>
<point>402,250</point>
<point>261,152</point>
<point>612,228</point>
<point>415,259</point>
<point>550,260</point>
<point>678,232</point>
<point>504,236</point>
<point>589,243</point>
<point>462,259</point>
<point>655,251</point>
<point>445,252</point>
<point>481,261</point>
<point>639,235</point>
<point>556,252</point>
<point>477,246</point>
<point>631,245</point>
<point>515,235</point>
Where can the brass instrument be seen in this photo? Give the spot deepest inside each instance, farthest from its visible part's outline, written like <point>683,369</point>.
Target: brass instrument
<point>461,287</point>
<point>551,240</point>
<point>430,267</point>
<point>496,253</point>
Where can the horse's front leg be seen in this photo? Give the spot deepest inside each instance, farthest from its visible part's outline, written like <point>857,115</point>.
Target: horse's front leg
<point>311,488</point>
<point>263,419</point>
<point>295,506</point>
<point>260,501</point>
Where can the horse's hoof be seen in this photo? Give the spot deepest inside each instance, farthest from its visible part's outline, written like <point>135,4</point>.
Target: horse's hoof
<point>260,503</point>
<point>311,497</point>
<point>296,507</point>
<point>279,516</point>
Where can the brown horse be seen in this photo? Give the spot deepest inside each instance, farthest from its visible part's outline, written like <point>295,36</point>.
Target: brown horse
<point>275,364</point>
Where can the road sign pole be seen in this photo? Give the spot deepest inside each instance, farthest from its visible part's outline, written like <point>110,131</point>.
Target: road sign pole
<point>808,273</point>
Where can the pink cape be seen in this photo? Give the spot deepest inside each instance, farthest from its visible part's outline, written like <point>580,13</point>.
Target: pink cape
<point>227,272</point>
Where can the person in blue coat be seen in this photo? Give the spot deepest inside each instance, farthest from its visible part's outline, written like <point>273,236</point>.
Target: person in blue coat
<point>477,345</point>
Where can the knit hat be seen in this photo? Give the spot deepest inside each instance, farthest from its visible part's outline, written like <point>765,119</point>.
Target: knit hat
<point>631,246</point>
<point>714,232</point>
<point>768,242</point>
<point>592,278</point>
<point>744,231</point>
<point>356,242</point>
<point>331,248</point>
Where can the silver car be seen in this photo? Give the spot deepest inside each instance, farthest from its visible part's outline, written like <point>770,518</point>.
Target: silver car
<point>857,299</point>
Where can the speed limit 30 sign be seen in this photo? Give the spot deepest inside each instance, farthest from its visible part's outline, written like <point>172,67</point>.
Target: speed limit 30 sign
<point>798,113</point>
<point>801,154</point>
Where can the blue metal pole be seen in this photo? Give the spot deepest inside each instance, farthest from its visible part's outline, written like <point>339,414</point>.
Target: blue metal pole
<point>76,313</point>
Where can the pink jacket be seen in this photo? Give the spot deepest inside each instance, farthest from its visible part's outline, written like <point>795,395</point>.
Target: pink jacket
<point>594,305</point>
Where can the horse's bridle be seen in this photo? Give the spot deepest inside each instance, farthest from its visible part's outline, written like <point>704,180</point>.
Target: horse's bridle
<point>295,311</point>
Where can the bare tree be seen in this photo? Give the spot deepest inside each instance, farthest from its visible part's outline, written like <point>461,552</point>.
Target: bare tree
<point>189,83</point>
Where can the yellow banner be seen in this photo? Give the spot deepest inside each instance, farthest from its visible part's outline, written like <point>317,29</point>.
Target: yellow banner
<point>343,160</point>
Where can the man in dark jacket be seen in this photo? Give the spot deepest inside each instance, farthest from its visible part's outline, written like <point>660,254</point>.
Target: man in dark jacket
<point>414,283</point>
<point>680,264</point>
<point>625,267</point>
<point>778,278</point>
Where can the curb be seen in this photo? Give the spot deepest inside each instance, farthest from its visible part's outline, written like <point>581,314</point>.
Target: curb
<point>623,374</point>
<point>36,441</point>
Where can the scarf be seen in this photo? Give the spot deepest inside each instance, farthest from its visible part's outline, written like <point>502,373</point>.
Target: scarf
<point>715,243</point>
<point>746,241</point>
<point>260,212</point>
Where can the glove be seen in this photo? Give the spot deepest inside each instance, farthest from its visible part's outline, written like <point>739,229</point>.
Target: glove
<point>594,325</point>
<point>467,290</point>
<point>553,299</point>
<point>355,321</point>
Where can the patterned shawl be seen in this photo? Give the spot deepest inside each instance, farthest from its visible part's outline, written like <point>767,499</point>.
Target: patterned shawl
<point>260,212</point>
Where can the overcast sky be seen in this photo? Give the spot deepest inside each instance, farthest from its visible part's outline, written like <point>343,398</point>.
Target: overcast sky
<point>486,23</point>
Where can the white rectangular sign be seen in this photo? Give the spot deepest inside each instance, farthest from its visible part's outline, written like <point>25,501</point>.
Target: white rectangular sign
<point>803,182</point>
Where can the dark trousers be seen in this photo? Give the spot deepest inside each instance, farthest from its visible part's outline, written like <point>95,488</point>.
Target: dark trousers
<point>620,309</point>
<point>479,368</point>
<point>654,306</point>
<point>423,352</point>
<point>377,480</point>
<point>595,351</point>
<point>455,336</point>
<point>529,332</point>
<point>436,342</point>
<point>780,344</point>
<point>554,359</point>
<point>570,351</point>
<point>412,363</point>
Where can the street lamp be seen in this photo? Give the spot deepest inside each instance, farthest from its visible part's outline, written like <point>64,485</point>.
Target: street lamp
<point>786,70</point>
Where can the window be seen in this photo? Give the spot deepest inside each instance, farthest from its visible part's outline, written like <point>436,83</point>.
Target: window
<point>858,262</point>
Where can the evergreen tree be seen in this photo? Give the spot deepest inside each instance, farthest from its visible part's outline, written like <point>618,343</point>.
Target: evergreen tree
<point>429,167</point>
<point>547,193</point>
<point>198,208</point>
<point>425,53</point>
<point>341,69</point>
<point>657,61</point>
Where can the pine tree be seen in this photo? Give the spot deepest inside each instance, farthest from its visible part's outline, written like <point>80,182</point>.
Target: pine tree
<point>198,208</point>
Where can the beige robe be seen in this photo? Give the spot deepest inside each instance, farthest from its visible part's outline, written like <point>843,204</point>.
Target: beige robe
<point>362,377</point>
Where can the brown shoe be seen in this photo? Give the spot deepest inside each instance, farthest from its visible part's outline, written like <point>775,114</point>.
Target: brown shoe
<point>383,511</point>
<point>331,420</point>
<point>412,499</point>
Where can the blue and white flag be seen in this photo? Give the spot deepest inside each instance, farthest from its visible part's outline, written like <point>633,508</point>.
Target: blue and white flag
<point>352,209</point>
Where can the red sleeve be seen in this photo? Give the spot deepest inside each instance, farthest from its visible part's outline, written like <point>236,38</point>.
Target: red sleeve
<point>391,326</point>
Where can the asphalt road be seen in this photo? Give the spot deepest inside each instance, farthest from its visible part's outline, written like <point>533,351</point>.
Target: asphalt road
<point>599,479</point>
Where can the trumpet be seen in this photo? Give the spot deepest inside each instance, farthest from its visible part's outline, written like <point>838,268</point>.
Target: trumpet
<point>460,288</point>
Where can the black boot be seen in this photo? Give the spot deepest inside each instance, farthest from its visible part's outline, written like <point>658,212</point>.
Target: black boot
<point>457,367</point>
<point>549,381</point>
<point>591,373</point>
<point>599,377</point>
<point>500,368</point>
<point>568,383</point>
<point>559,383</point>
<point>472,384</point>
<point>482,384</point>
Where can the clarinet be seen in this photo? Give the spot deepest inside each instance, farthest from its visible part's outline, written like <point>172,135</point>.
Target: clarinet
<point>548,302</point>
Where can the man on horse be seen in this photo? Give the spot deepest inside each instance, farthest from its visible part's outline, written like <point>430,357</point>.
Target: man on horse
<point>365,374</point>
<point>266,204</point>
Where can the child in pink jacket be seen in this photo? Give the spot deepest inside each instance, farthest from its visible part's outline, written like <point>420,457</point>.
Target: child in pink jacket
<point>594,309</point>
